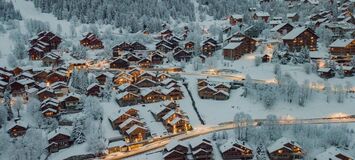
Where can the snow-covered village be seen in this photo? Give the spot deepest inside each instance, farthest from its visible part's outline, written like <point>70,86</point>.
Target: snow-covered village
<point>177,79</point>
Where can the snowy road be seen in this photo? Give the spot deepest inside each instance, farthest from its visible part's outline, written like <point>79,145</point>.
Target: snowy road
<point>160,144</point>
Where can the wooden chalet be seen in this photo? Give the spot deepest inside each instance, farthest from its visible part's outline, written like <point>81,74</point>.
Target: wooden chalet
<point>160,112</point>
<point>144,83</point>
<point>221,95</point>
<point>145,63</point>
<point>119,49</point>
<point>163,76</point>
<point>235,149</point>
<point>202,83</point>
<point>261,16</point>
<point>165,46</point>
<point>239,44</point>
<point>119,80</point>
<point>333,153</point>
<point>45,93</point>
<point>236,19</point>
<point>71,100</point>
<point>56,76</point>
<point>157,58</point>
<point>177,146</point>
<point>119,63</point>
<point>165,34</point>
<point>94,90</point>
<point>326,72</point>
<point>201,149</point>
<point>59,139</point>
<point>60,88</point>
<point>189,46</point>
<point>51,59</point>
<point>128,88</point>
<point>136,133</point>
<point>342,50</point>
<point>105,77</point>
<point>50,107</point>
<point>16,129</point>
<point>127,124</point>
<point>91,41</point>
<point>209,47</point>
<point>299,38</point>
<point>285,149</point>
<point>293,17</point>
<point>207,92</point>
<point>43,43</point>
<point>138,46</point>
<point>128,99</point>
<point>132,58</point>
<point>174,155</point>
<point>172,94</point>
<point>151,96</point>
<point>282,28</point>
<point>182,55</point>
<point>118,118</point>
<point>19,87</point>
<point>178,125</point>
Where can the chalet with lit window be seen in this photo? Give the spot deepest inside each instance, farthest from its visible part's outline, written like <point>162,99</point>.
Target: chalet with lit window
<point>130,122</point>
<point>221,95</point>
<point>174,155</point>
<point>285,149</point>
<point>119,63</point>
<point>261,16</point>
<point>59,139</point>
<point>236,19</point>
<point>127,99</point>
<point>121,116</point>
<point>132,58</point>
<point>160,112</point>
<point>342,50</point>
<point>5,74</point>
<point>150,96</point>
<point>209,47</point>
<point>178,125</point>
<point>299,38</point>
<point>94,90</point>
<point>282,28</point>
<point>189,46</point>
<point>163,76</point>
<point>165,46</point>
<point>136,133</point>
<point>45,93</point>
<point>333,153</point>
<point>177,146</point>
<point>19,87</point>
<point>119,49</point>
<point>172,94</point>
<point>201,83</point>
<point>50,107</point>
<point>165,34</point>
<point>91,41</point>
<point>70,101</point>
<point>145,63</point>
<point>43,43</point>
<point>236,149</point>
<point>182,55</point>
<point>201,149</point>
<point>326,73</point>
<point>119,80</point>
<point>239,44</point>
<point>207,92</point>
<point>16,129</point>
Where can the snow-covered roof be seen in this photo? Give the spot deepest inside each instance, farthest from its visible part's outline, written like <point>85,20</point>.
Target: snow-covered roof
<point>119,96</point>
<point>172,144</point>
<point>331,154</point>
<point>197,141</point>
<point>175,120</point>
<point>134,127</point>
<point>156,110</point>
<point>116,115</point>
<point>45,90</point>
<point>324,69</point>
<point>167,91</point>
<point>20,123</point>
<point>232,45</point>
<point>280,143</point>
<point>123,124</point>
<point>170,152</point>
<point>209,87</point>
<point>169,114</point>
<point>222,92</point>
<point>279,26</point>
<point>92,85</point>
<point>199,150</point>
<point>3,83</point>
<point>50,110</point>
<point>237,16</point>
<point>25,81</point>
<point>117,144</point>
<point>294,33</point>
<point>61,130</point>
<point>290,15</point>
<point>341,43</point>
<point>231,144</point>
<point>262,14</point>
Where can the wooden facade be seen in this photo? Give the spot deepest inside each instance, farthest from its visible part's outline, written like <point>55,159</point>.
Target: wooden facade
<point>299,38</point>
